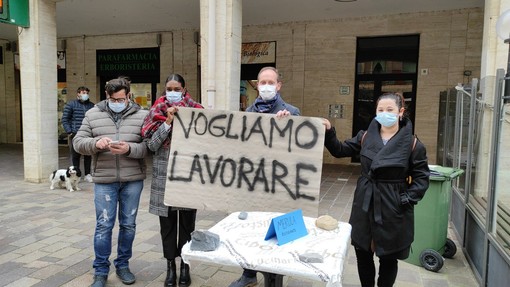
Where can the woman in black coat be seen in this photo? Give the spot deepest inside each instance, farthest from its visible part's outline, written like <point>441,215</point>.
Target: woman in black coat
<point>394,177</point>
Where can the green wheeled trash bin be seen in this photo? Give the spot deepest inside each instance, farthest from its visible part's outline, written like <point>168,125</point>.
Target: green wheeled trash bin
<point>431,221</point>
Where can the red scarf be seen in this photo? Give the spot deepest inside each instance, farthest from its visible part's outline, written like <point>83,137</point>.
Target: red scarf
<point>157,114</point>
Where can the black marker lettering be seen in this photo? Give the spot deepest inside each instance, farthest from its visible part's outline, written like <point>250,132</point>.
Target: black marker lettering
<point>313,140</point>
<point>232,169</point>
<point>212,175</point>
<point>260,175</point>
<point>172,177</point>
<point>196,167</point>
<point>186,131</point>
<point>300,180</point>
<point>242,173</point>
<point>257,128</point>
<point>279,177</point>
<point>201,115</point>
<point>218,127</point>
<point>243,133</point>
<point>281,132</point>
<point>231,116</point>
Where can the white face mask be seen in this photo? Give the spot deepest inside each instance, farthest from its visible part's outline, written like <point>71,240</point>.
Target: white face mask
<point>267,92</point>
<point>173,97</point>
<point>84,97</point>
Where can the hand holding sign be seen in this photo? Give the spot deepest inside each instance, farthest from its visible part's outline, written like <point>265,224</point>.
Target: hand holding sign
<point>170,112</point>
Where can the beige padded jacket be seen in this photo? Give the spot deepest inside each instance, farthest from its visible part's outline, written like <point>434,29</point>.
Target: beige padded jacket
<point>101,122</point>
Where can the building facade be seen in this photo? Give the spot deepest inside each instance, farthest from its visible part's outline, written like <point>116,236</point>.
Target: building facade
<point>330,69</point>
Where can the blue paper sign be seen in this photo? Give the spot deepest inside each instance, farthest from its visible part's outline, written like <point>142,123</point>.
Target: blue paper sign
<point>287,227</point>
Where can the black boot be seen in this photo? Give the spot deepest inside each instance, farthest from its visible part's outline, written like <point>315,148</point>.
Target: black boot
<point>171,276</point>
<point>185,278</point>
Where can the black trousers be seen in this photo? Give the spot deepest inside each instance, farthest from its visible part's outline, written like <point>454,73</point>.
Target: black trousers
<point>75,158</point>
<point>388,268</point>
<point>176,231</point>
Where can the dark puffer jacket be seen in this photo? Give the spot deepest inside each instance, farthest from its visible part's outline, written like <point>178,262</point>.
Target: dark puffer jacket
<point>100,122</point>
<point>74,112</point>
<point>378,212</point>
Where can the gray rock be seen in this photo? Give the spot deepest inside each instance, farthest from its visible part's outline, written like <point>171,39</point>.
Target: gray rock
<point>243,215</point>
<point>204,240</point>
<point>311,258</point>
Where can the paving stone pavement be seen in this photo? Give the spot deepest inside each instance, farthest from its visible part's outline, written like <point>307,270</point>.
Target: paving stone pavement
<point>46,235</point>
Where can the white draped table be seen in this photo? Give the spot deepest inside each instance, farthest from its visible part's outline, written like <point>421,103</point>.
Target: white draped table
<point>242,244</point>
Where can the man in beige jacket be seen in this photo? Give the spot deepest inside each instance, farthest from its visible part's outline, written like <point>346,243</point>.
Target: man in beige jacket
<point>111,134</point>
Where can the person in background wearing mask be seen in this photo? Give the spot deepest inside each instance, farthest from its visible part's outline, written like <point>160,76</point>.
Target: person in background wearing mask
<point>176,223</point>
<point>269,101</point>
<point>111,134</point>
<point>74,112</point>
<point>394,177</point>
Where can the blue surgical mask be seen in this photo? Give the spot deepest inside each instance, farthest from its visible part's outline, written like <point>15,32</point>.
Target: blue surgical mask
<point>117,107</point>
<point>173,97</point>
<point>84,97</point>
<point>386,119</point>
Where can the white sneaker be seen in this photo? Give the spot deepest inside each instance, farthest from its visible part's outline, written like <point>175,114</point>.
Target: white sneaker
<point>88,178</point>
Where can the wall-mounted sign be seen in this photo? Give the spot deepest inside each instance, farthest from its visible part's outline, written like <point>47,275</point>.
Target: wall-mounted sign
<point>128,62</point>
<point>344,90</point>
<point>254,53</point>
<point>15,12</point>
<point>336,111</point>
<point>258,53</point>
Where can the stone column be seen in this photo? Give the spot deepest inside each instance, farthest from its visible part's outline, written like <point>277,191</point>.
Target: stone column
<point>38,66</point>
<point>494,50</point>
<point>494,57</point>
<point>220,39</point>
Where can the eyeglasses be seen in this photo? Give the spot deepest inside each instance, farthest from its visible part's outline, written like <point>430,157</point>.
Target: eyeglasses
<point>119,100</point>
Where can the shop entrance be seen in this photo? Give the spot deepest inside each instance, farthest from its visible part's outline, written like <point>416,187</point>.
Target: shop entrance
<point>384,64</point>
<point>140,65</point>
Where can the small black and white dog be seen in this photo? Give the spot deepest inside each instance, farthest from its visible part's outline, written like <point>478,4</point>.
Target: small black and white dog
<point>70,176</point>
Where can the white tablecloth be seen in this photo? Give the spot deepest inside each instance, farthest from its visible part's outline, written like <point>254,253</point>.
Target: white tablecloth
<point>242,244</point>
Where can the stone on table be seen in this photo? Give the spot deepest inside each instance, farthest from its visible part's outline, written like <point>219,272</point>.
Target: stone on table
<point>204,240</point>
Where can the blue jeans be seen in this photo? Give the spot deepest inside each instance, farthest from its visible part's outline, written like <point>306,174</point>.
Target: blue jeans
<point>106,197</point>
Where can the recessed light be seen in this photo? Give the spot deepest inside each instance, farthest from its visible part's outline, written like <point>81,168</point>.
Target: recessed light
<point>345,0</point>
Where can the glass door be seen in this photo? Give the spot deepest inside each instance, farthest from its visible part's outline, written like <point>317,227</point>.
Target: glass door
<point>369,90</point>
<point>384,65</point>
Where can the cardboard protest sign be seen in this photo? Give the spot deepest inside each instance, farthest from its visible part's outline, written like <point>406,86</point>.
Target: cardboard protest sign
<point>238,161</point>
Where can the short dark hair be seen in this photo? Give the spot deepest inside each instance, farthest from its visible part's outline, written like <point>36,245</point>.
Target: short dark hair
<point>118,84</point>
<point>176,77</point>
<point>125,78</point>
<point>82,88</point>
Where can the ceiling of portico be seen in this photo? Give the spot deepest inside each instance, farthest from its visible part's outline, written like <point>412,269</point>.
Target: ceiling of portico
<point>104,17</point>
